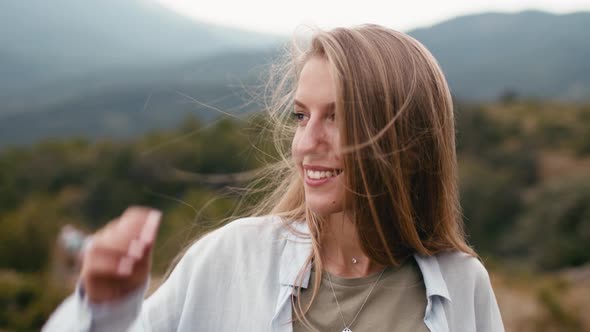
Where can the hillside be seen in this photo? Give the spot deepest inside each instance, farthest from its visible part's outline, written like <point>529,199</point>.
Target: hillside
<point>120,68</point>
<point>532,53</point>
<point>58,50</point>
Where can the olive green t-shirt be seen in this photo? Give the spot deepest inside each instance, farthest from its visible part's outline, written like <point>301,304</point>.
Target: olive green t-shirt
<point>397,303</point>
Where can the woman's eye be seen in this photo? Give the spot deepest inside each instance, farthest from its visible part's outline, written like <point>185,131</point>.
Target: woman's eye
<point>332,117</point>
<point>298,116</point>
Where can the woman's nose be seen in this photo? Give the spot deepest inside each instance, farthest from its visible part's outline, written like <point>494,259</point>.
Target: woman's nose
<point>313,138</point>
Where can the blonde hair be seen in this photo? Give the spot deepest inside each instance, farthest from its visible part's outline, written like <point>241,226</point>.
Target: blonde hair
<point>395,114</point>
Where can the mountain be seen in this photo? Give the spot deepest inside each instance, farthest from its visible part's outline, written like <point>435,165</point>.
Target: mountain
<point>531,53</point>
<point>71,33</point>
<point>44,45</point>
<point>130,102</point>
<point>116,68</point>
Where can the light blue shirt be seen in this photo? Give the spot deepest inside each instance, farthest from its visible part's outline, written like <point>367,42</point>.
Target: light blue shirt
<point>242,276</point>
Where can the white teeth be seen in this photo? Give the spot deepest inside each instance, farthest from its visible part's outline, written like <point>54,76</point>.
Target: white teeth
<point>316,175</point>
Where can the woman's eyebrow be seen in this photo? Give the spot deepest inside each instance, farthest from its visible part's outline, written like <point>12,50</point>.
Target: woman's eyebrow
<point>329,106</point>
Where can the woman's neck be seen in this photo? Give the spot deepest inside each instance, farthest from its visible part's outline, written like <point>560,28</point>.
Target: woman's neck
<point>341,250</point>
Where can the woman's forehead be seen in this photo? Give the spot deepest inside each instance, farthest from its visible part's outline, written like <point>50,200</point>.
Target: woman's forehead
<point>316,86</point>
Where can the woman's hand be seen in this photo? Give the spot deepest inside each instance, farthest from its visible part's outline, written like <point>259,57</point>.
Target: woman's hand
<point>118,258</point>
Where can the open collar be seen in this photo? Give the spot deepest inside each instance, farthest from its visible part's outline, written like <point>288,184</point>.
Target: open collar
<point>433,279</point>
<point>298,248</point>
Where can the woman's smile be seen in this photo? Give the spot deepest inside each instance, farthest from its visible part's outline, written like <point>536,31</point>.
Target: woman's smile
<point>316,142</point>
<point>317,176</point>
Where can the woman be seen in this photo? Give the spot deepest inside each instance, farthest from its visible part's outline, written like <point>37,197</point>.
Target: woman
<point>367,208</point>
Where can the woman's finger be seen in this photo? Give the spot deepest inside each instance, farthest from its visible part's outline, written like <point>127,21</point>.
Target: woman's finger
<point>138,223</point>
<point>129,234</point>
<point>103,262</point>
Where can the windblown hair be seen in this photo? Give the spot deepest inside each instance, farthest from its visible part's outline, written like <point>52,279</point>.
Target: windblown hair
<point>395,116</point>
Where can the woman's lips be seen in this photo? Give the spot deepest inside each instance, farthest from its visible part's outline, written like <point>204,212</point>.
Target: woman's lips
<point>318,176</point>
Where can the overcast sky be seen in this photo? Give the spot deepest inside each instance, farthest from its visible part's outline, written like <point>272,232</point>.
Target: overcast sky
<point>283,17</point>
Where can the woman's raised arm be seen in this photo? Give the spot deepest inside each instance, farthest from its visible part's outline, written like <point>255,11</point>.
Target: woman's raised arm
<point>115,271</point>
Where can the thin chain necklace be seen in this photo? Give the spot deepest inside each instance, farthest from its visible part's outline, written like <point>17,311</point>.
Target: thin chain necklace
<point>348,326</point>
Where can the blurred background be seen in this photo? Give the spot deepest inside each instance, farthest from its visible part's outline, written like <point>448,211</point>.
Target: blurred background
<point>106,104</point>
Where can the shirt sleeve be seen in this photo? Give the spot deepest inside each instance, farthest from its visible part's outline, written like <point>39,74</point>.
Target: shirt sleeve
<point>487,312</point>
<point>76,313</point>
<point>160,312</point>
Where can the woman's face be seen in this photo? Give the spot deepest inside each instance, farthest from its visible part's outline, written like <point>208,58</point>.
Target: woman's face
<point>315,147</point>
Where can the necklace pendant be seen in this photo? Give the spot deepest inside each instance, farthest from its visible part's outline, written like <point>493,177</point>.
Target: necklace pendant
<point>346,329</point>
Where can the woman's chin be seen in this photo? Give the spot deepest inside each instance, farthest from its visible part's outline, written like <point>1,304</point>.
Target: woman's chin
<point>326,209</point>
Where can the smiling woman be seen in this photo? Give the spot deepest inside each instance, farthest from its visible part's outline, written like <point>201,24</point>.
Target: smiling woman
<point>316,143</point>
<point>362,231</point>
